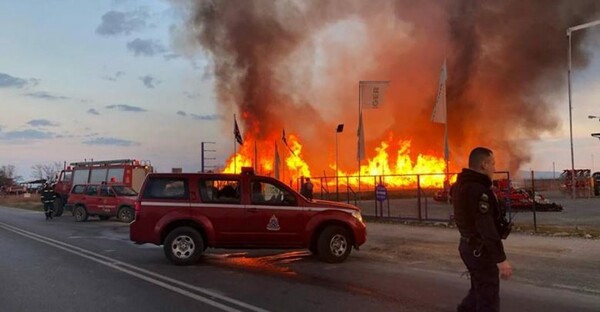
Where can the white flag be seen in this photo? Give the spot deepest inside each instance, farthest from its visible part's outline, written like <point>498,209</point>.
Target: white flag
<point>372,93</point>
<point>439,110</point>
<point>361,139</point>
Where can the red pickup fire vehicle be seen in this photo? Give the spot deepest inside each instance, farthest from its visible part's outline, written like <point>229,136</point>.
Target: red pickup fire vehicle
<point>188,212</point>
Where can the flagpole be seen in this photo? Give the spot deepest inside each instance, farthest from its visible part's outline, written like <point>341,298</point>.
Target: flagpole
<point>446,148</point>
<point>358,153</point>
<point>234,150</point>
<point>255,158</point>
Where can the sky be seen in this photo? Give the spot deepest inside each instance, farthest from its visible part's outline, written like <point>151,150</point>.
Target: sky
<point>110,79</point>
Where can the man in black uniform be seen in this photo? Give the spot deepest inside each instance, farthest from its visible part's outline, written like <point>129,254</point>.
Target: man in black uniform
<point>48,196</point>
<point>482,225</point>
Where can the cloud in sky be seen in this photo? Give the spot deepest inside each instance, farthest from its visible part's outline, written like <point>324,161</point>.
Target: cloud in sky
<point>126,108</point>
<point>110,141</point>
<point>45,96</point>
<point>41,123</point>
<point>8,81</point>
<point>29,134</point>
<point>116,76</point>
<point>116,23</point>
<point>147,47</point>
<point>206,117</point>
<point>92,111</point>
<point>149,81</point>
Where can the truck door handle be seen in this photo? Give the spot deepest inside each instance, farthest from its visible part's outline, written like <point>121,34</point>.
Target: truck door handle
<point>254,210</point>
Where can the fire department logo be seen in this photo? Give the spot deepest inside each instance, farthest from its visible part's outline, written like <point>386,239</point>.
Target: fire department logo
<point>273,224</point>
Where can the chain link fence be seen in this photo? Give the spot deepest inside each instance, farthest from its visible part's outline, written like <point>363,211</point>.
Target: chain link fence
<point>533,201</point>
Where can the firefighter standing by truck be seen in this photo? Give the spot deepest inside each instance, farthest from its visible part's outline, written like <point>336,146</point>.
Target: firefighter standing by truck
<point>482,225</point>
<point>48,197</point>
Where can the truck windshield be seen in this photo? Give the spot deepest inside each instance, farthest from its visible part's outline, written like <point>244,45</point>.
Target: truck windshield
<point>122,190</point>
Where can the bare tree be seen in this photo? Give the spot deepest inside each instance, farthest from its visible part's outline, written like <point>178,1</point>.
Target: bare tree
<point>47,171</point>
<point>7,175</point>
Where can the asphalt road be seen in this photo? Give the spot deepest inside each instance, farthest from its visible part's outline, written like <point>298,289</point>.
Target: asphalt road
<point>63,265</point>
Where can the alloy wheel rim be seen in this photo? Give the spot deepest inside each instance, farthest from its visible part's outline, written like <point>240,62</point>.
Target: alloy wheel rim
<point>338,245</point>
<point>183,247</point>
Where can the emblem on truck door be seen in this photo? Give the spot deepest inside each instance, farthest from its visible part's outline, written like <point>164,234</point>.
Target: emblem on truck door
<point>273,224</point>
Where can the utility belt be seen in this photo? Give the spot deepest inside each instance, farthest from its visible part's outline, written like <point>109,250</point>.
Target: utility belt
<point>474,242</point>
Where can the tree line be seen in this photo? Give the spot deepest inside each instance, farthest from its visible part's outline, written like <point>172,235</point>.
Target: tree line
<point>9,177</point>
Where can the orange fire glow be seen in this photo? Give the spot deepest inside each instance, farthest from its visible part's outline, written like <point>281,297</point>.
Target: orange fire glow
<point>391,165</point>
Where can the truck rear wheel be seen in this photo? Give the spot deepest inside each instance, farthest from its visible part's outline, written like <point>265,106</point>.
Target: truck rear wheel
<point>126,214</point>
<point>334,244</point>
<point>80,213</point>
<point>58,207</point>
<point>183,246</point>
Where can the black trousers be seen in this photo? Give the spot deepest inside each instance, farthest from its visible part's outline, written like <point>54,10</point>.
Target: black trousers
<point>48,208</point>
<point>484,294</point>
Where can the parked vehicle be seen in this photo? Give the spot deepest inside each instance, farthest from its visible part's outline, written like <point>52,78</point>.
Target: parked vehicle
<point>517,198</point>
<point>189,212</point>
<point>583,182</point>
<point>102,200</point>
<point>522,199</point>
<point>129,172</point>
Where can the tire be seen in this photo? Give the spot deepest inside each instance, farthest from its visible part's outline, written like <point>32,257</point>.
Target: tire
<point>184,246</point>
<point>104,218</point>
<point>126,214</point>
<point>80,213</point>
<point>334,244</point>
<point>58,207</point>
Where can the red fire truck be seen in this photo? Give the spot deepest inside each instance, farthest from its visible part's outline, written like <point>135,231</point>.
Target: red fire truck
<point>129,172</point>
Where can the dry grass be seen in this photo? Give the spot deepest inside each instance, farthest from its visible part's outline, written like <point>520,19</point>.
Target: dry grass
<point>20,201</point>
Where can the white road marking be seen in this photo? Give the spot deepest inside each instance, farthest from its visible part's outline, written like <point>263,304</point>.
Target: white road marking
<point>184,289</point>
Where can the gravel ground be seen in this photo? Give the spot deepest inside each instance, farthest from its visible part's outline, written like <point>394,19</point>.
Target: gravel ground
<point>560,262</point>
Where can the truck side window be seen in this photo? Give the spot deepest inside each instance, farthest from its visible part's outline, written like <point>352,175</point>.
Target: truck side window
<point>265,193</point>
<point>91,190</point>
<point>105,191</point>
<point>166,188</point>
<point>219,191</point>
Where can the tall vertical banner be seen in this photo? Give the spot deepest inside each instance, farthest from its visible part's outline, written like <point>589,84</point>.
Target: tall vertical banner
<point>439,110</point>
<point>372,93</point>
<point>361,139</point>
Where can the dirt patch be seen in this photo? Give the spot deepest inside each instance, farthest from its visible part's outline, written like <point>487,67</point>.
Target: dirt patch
<point>20,201</point>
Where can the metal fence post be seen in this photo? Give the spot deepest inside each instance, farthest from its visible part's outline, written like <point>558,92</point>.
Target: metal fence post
<point>533,192</point>
<point>419,197</point>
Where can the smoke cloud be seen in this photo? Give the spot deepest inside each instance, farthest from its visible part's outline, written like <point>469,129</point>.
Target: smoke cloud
<point>296,65</point>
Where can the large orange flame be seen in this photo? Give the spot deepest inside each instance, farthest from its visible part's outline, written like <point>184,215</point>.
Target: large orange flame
<point>391,165</point>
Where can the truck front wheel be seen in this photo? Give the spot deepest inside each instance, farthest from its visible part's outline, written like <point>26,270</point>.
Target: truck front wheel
<point>334,244</point>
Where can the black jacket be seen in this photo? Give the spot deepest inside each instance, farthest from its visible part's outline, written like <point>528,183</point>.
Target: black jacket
<point>477,212</point>
<point>48,195</point>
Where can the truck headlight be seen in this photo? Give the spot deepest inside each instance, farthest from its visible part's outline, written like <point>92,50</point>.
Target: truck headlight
<point>357,215</point>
